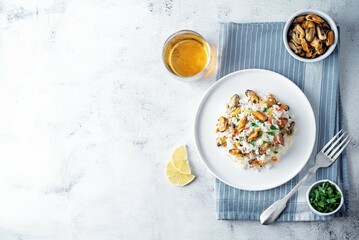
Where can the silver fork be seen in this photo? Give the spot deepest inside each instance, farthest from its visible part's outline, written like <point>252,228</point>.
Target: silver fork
<point>324,158</point>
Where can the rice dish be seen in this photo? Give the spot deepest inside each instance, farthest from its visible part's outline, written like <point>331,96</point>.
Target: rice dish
<point>255,130</point>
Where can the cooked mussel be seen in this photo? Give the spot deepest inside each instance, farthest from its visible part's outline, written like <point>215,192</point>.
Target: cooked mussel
<point>254,135</point>
<point>281,138</point>
<point>321,33</point>
<point>234,102</point>
<point>290,131</point>
<point>265,147</point>
<point>294,47</point>
<point>221,141</point>
<point>309,34</point>
<point>330,38</point>
<point>235,112</point>
<point>236,152</point>
<point>283,122</point>
<point>270,100</point>
<point>315,18</point>
<point>299,19</point>
<point>242,123</point>
<point>308,24</point>
<point>260,116</point>
<point>318,45</point>
<point>305,45</point>
<point>253,97</point>
<point>284,106</point>
<point>299,30</point>
<point>222,124</point>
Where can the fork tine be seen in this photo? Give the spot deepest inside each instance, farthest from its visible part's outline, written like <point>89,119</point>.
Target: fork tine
<point>331,140</point>
<point>335,143</point>
<point>337,147</point>
<point>341,150</point>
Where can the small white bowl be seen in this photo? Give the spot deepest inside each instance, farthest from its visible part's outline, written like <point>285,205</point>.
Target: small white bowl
<point>323,15</point>
<point>316,184</point>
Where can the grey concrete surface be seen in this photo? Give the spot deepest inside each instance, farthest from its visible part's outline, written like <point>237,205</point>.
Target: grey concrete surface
<point>89,117</point>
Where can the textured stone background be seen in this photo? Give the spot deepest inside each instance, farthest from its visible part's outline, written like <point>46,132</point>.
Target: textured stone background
<point>89,117</point>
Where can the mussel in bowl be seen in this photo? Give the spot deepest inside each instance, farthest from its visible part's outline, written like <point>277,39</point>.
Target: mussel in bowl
<point>310,36</point>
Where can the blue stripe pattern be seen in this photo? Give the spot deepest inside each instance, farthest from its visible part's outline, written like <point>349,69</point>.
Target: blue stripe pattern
<point>260,45</point>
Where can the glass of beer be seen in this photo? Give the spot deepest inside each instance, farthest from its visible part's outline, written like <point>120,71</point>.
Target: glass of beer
<point>186,55</point>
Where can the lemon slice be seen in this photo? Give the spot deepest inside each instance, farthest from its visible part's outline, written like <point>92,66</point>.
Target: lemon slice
<point>182,166</point>
<point>179,153</point>
<point>179,160</point>
<point>176,177</point>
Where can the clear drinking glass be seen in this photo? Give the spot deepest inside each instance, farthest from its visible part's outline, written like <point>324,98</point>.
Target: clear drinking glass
<point>187,55</point>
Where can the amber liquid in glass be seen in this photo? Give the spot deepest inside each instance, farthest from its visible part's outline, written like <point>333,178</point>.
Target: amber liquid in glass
<point>186,54</point>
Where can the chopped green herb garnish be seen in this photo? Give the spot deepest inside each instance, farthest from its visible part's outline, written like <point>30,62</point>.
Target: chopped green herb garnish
<point>264,125</point>
<point>275,152</point>
<point>260,134</point>
<point>250,110</point>
<point>264,142</point>
<point>325,198</point>
<point>265,109</point>
<point>271,133</point>
<point>254,125</point>
<point>241,138</point>
<point>237,118</point>
<point>253,142</point>
<point>272,127</point>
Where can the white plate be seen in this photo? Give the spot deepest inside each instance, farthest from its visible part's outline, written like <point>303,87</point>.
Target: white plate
<point>213,105</point>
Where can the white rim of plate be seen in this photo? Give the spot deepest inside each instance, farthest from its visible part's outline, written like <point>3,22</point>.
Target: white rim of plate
<point>204,97</point>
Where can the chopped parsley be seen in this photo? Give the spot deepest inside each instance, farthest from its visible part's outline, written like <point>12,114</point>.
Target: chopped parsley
<point>275,152</point>
<point>325,197</point>
<point>237,118</point>
<point>241,138</point>
<point>272,127</point>
<point>260,134</point>
<point>250,110</point>
<point>253,142</point>
<point>265,109</point>
<point>271,133</point>
<point>254,125</point>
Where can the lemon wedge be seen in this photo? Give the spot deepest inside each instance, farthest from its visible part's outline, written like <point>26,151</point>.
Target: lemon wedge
<point>180,153</point>
<point>176,177</point>
<point>179,160</point>
<point>178,170</point>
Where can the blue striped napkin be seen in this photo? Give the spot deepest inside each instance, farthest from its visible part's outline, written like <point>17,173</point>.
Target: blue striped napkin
<point>260,45</point>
